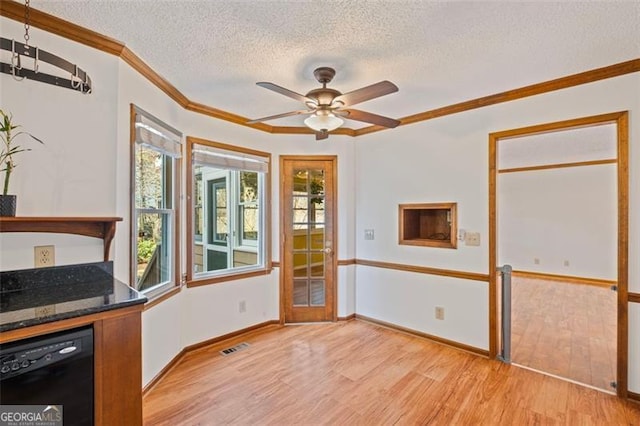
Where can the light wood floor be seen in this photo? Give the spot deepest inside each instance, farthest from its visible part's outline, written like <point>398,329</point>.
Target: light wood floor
<point>565,329</point>
<point>356,373</point>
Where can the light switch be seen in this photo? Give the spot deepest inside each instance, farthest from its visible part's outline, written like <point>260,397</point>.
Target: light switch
<point>472,239</point>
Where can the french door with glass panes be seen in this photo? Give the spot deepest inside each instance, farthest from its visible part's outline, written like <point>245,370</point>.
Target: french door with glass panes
<point>308,211</point>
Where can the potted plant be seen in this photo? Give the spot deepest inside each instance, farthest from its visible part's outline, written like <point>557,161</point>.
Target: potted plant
<point>7,162</point>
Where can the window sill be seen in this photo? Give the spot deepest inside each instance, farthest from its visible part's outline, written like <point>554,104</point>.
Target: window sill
<point>161,297</point>
<point>246,249</point>
<point>224,278</point>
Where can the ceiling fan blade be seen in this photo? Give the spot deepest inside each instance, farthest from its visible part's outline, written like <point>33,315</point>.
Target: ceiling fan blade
<point>367,117</point>
<point>286,92</point>
<point>286,114</point>
<point>322,135</point>
<point>366,93</point>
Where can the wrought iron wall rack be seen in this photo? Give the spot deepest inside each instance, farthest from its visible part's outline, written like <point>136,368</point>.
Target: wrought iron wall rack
<point>78,79</point>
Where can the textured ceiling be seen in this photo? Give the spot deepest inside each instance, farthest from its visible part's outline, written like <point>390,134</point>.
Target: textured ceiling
<point>438,53</point>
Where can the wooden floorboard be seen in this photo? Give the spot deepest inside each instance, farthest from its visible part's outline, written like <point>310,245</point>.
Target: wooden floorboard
<point>565,329</point>
<point>357,373</point>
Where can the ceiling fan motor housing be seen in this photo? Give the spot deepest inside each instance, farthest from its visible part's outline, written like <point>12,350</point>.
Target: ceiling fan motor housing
<point>323,96</point>
<point>324,75</point>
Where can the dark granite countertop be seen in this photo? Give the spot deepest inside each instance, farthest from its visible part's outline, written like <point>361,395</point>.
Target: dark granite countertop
<point>36,296</point>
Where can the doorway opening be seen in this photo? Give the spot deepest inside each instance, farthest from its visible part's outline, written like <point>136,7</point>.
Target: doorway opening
<point>559,219</point>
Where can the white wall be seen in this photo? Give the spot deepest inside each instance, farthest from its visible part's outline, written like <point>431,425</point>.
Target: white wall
<point>559,215</point>
<point>446,159</point>
<point>413,300</point>
<point>73,173</point>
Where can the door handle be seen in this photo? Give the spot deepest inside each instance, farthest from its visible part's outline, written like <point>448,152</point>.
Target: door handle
<point>328,250</point>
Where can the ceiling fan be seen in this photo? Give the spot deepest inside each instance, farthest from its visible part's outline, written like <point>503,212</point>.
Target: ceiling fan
<point>327,106</point>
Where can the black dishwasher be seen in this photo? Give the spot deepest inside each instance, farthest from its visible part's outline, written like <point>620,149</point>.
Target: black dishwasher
<point>53,369</point>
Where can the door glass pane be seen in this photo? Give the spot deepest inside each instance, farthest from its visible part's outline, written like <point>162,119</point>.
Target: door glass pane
<point>317,238</point>
<point>316,182</point>
<point>217,220</point>
<point>300,265</point>
<point>317,264</point>
<point>316,210</point>
<point>216,260</point>
<point>300,293</point>
<point>317,292</point>
<point>221,223</point>
<point>300,239</point>
<point>300,210</point>
<point>300,181</point>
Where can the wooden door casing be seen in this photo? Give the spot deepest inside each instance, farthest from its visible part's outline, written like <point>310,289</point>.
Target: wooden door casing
<point>326,312</point>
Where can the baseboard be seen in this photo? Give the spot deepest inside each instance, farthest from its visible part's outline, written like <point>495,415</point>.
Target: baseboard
<point>163,372</point>
<point>633,396</point>
<point>447,342</point>
<point>233,334</point>
<point>209,342</point>
<point>347,318</point>
<point>564,278</point>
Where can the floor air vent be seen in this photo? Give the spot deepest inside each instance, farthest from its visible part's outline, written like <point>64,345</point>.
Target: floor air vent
<point>234,349</point>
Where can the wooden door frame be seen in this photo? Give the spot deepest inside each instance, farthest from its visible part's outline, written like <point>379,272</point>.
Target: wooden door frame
<point>334,236</point>
<point>621,119</point>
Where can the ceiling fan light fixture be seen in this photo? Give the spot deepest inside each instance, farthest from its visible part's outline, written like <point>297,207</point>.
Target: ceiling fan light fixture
<point>325,123</point>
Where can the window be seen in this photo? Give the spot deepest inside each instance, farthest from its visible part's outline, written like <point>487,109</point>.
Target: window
<point>156,152</point>
<point>228,189</point>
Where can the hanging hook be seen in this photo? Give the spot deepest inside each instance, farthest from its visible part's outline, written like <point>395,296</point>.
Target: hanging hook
<point>35,60</point>
<point>76,82</point>
<point>16,63</point>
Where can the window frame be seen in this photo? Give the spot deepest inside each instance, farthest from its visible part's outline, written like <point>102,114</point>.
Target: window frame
<point>241,206</point>
<point>173,213</point>
<point>234,273</point>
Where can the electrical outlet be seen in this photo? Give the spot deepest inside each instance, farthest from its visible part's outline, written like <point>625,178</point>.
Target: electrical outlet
<point>242,306</point>
<point>44,256</point>
<point>369,234</point>
<point>536,261</point>
<point>566,263</point>
<point>439,313</point>
<point>472,238</point>
<point>45,311</point>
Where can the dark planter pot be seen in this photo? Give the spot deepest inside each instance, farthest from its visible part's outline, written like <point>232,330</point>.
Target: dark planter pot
<point>8,205</point>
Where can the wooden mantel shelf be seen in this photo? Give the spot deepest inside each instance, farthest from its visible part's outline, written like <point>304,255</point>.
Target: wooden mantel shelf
<point>97,227</point>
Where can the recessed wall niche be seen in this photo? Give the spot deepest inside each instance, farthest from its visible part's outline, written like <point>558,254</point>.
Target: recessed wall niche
<point>428,224</point>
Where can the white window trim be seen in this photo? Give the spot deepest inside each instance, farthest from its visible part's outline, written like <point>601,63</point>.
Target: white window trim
<point>152,133</point>
<point>223,156</point>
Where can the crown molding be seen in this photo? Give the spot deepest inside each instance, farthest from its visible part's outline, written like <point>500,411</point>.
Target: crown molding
<point>14,10</point>
<point>590,76</point>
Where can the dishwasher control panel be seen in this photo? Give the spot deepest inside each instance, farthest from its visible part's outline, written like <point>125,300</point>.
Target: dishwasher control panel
<point>22,361</point>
